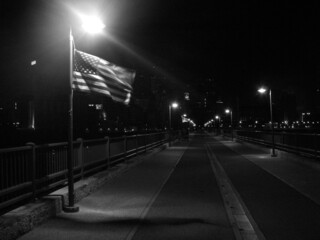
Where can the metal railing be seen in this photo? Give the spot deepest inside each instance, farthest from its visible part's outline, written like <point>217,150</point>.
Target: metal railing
<point>307,144</point>
<point>32,171</point>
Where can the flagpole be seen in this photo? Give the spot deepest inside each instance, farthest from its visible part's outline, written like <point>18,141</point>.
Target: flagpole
<point>70,207</point>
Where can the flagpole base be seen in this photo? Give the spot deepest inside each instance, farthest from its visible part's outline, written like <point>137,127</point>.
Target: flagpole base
<point>71,209</point>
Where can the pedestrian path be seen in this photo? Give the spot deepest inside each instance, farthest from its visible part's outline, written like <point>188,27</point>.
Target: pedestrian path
<point>175,194</point>
<point>190,205</point>
<point>172,195</point>
<point>114,211</point>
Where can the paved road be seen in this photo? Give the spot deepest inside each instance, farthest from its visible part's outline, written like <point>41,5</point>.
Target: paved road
<point>280,211</point>
<point>173,195</point>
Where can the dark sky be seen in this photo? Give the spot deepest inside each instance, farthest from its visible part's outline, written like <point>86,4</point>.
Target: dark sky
<point>238,44</point>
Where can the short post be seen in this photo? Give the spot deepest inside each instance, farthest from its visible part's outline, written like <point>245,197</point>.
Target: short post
<point>33,168</point>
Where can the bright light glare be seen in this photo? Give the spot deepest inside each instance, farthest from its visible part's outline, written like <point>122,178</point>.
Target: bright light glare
<point>262,90</point>
<point>92,24</point>
<point>217,117</point>
<point>175,105</point>
<point>227,110</point>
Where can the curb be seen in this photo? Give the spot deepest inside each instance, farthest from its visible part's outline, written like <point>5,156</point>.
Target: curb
<point>23,219</point>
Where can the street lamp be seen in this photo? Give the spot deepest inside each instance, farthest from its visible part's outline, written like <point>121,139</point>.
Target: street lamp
<point>227,111</point>
<point>263,90</point>
<point>172,105</point>
<point>92,25</point>
<point>217,117</point>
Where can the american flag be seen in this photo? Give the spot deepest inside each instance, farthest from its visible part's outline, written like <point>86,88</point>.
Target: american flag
<point>95,75</point>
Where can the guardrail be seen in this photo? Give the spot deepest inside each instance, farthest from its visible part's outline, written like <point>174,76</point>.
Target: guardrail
<point>307,144</point>
<point>32,171</point>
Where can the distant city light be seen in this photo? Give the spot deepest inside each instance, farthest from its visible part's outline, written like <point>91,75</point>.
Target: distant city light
<point>98,106</point>
<point>186,96</point>
<point>34,62</point>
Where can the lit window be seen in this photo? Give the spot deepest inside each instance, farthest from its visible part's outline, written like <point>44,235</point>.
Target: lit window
<point>186,96</point>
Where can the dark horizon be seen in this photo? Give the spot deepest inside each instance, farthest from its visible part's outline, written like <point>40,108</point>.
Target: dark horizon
<point>216,52</point>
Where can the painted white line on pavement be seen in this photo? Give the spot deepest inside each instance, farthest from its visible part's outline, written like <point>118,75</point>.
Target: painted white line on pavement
<point>243,224</point>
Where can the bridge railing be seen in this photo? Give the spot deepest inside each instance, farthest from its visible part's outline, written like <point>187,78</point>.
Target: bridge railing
<point>300,143</point>
<point>31,171</point>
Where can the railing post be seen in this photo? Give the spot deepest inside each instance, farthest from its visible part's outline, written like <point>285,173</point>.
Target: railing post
<point>315,145</point>
<point>33,168</point>
<point>108,151</point>
<point>80,156</point>
<point>145,143</point>
<point>125,148</point>
<point>136,144</point>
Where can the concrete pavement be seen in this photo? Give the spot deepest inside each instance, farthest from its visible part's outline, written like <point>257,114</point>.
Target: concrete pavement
<point>173,195</point>
<point>279,194</point>
<point>114,210</point>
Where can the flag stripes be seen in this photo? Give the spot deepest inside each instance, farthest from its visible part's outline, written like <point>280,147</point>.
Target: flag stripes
<point>95,75</point>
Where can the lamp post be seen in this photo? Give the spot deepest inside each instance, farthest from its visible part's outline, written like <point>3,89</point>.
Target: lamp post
<point>217,117</point>
<point>172,105</point>
<point>227,111</point>
<point>262,91</point>
<point>91,25</point>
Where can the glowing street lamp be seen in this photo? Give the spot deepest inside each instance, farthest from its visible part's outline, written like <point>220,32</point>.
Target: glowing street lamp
<point>217,117</point>
<point>92,25</point>
<point>229,111</point>
<point>175,105</point>
<point>172,105</point>
<point>263,90</point>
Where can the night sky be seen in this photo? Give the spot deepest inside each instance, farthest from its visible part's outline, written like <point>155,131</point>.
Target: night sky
<point>239,45</point>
